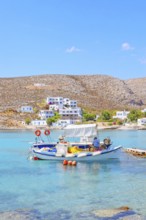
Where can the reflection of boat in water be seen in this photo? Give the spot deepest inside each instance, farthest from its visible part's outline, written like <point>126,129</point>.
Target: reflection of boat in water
<point>79,151</point>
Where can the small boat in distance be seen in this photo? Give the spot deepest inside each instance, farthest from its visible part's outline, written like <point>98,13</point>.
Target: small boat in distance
<point>81,150</point>
<point>136,152</point>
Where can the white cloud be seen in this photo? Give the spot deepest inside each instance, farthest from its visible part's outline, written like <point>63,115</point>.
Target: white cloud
<point>127,46</point>
<point>143,61</point>
<point>72,49</point>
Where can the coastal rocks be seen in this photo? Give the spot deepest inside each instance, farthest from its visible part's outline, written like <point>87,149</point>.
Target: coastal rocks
<point>11,216</point>
<point>34,214</point>
<point>20,215</point>
<point>122,213</point>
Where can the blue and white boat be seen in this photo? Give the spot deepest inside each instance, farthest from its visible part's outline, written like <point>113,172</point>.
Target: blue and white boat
<point>60,153</point>
<point>78,135</point>
<point>78,151</point>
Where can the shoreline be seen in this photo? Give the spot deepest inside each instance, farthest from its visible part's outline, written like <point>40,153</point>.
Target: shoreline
<point>113,127</point>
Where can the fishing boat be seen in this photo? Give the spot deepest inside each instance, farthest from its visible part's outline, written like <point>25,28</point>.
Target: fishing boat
<point>80,150</point>
<point>78,135</point>
<point>60,153</point>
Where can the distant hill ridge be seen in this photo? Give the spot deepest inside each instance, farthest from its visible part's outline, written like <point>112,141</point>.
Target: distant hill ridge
<point>94,92</point>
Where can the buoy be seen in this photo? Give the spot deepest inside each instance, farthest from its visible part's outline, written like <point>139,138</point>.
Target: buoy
<point>74,163</point>
<point>35,158</point>
<point>38,133</point>
<point>47,132</point>
<point>70,162</point>
<point>65,162</point>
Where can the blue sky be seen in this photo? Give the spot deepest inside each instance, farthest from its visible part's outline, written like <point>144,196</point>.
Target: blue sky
<point>73,37</point>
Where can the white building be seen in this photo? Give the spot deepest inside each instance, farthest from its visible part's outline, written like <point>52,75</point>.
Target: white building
<point>38,123</point>
<point>39,84</point>
<point>28,109</point>
<point>121,114</point>
<point>61,102</point>
<point>67,108</point>
<point>141,121</point>
<point>70,113</point>
<point>64,122</point>
<point>44,114</point>
<point>54,107</point>
<point>55,100</point>
<point>69,103</point>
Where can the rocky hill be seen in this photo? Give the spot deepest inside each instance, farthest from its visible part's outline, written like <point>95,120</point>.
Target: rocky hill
<point>138,86</point>
<point>94,92</point>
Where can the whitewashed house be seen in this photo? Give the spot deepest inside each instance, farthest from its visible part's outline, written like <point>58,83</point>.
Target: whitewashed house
<point>70,113</point>
<point>141,121</point>
<point>54,107</point>
<point>60,102</point>
<point>69,103</point>
<point>55,100</point>
<point>121,114</point>
<point>38,123</point>
<point>44,114</point>
<point>26,109</point>
<point>55,103</point>
<point>39,84</point>
<point>64,122</point>
<point>67,108</point>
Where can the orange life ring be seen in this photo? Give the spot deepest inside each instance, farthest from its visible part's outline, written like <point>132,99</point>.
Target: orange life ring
<point>38,133</point>
<point>47,132</point>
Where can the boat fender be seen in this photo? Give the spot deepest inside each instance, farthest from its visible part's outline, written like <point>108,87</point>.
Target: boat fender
<point>70,162</point>
<point>74,163</point>
<point>38,133</point>
<point>47,132</point>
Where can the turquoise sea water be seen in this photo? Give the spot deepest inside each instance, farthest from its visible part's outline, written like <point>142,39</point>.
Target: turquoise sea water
<point>51,191</point>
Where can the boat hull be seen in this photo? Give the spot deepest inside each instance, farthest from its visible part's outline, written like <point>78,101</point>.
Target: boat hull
<point>41,145</point>
<point>83,156</point>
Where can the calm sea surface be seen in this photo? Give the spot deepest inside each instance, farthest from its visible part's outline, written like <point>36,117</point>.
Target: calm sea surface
<point>53,191</point>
